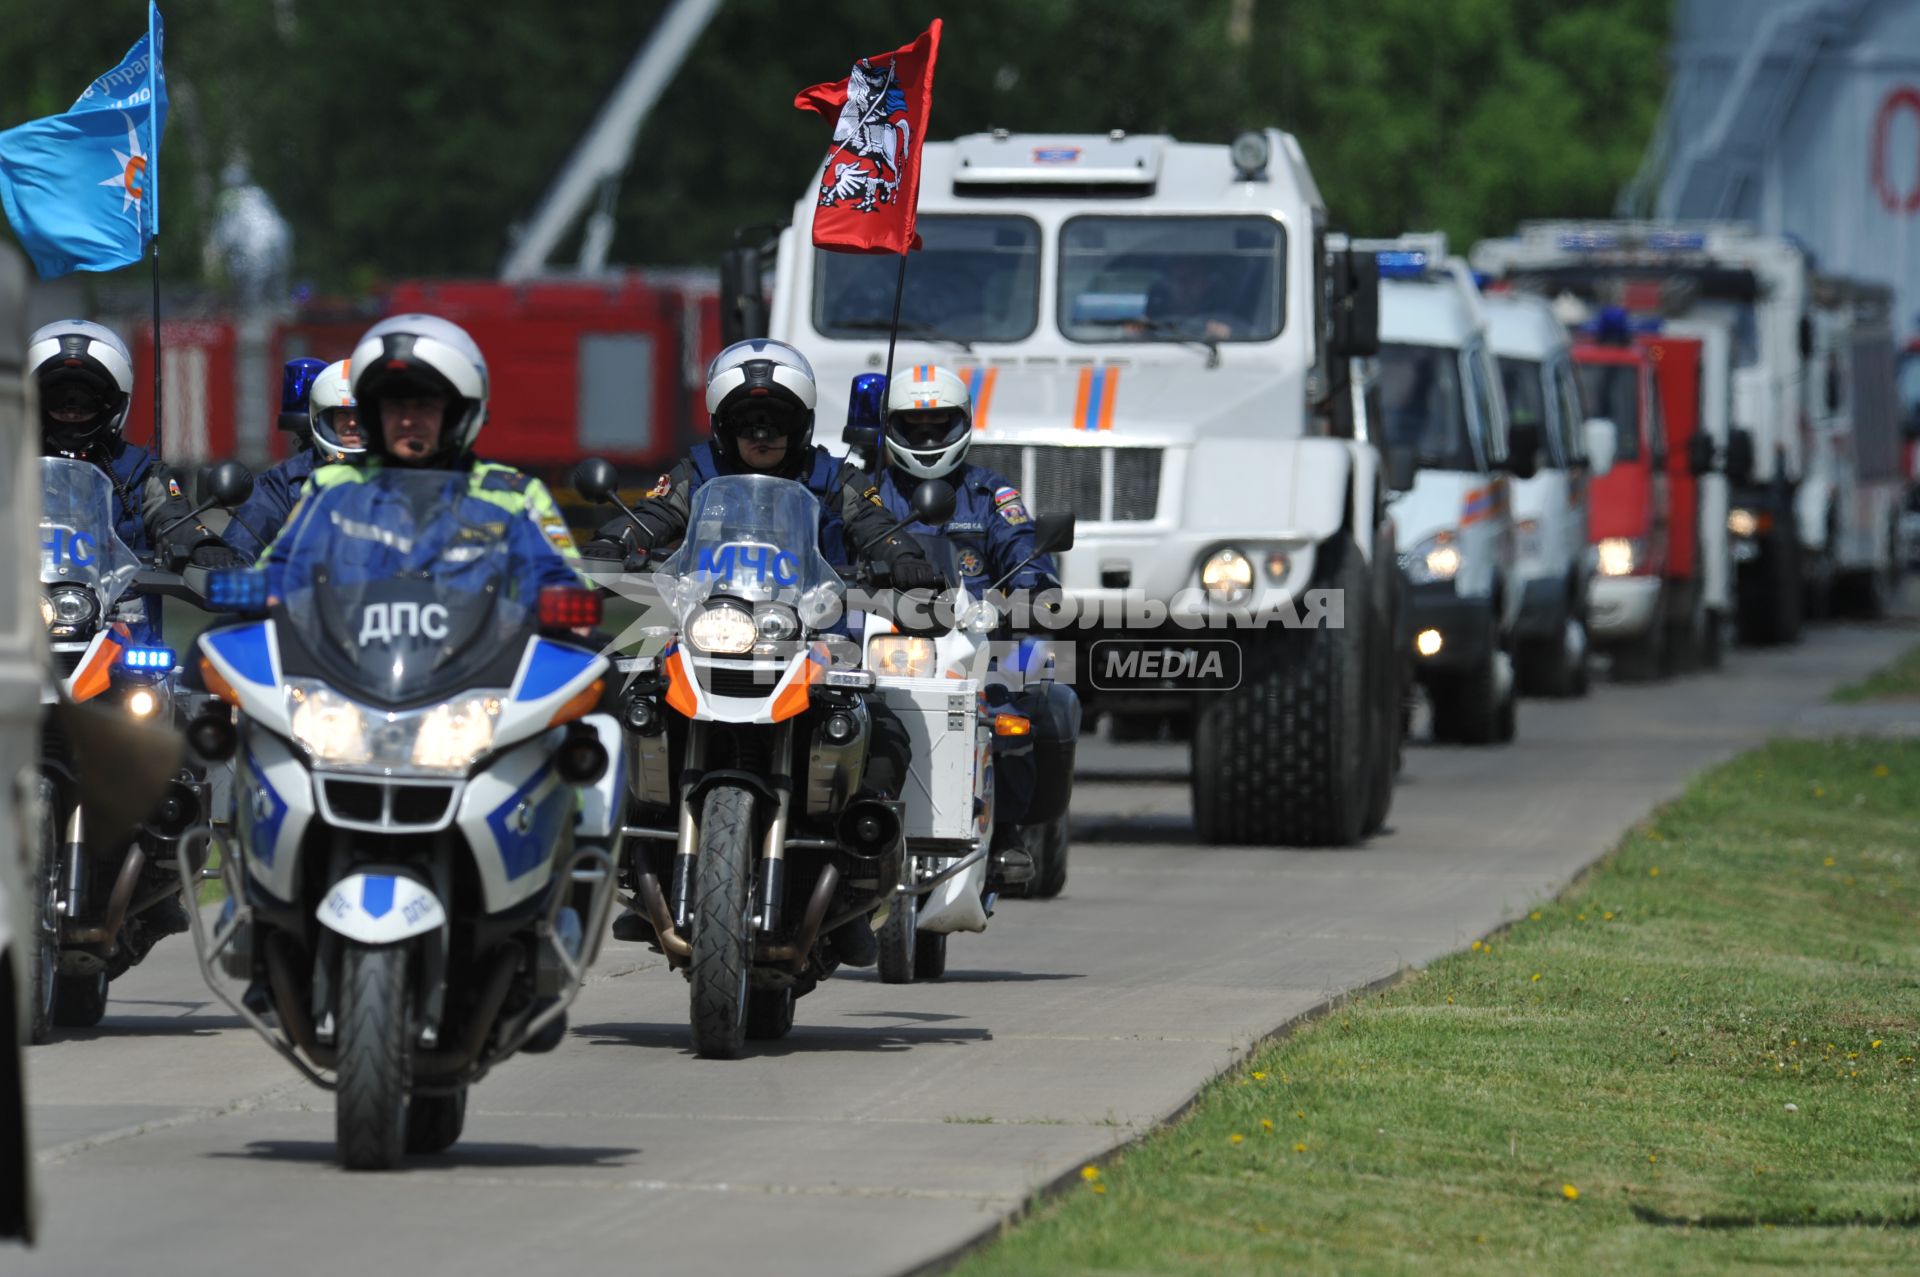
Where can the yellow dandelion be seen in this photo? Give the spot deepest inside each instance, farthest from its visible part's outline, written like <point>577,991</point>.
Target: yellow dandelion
<point>1569,1192</point>
<point>1607,917</point>
<point>1536,977</point>
<point>1476,946</point>
<point>1266,1124</point>
<point>1091,1174</point>
<point>1827,863</point>
<point>1100,1189</point>
<point>1881,769</point>
<point>1580,917</point>
<point>1876,1045</point>
<point>1449,999</point>
<point>1301,1114</point>
<point>1259,1076</point>
<point>1236,1138</point>
<point>1652,1157</point>
<point>1535,915</point>
<point>1299,1148</point>
<point>1654,872</point>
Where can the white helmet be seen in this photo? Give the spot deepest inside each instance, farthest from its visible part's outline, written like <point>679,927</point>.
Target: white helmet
<point>81,367</point>
<point>761,383</point>
<point>933,446</point>
<point>332,391</point>
<point>420,354</point>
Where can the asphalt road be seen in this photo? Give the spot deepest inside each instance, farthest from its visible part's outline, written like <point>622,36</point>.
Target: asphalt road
<point>896,1123</point>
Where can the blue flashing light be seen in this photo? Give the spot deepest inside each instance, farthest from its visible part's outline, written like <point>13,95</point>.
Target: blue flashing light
<point>296,382</point>
<point>1612,326</point>
<point>1589,241</point>
<point>1402,264</point>
<point>867,401</point>
<point>237,590</point>
<point>1676,241</point>
<point>1481,279</point>
<point>147,658</point>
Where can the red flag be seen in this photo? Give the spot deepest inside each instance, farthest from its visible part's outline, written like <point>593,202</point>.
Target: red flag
<point>871,183</point>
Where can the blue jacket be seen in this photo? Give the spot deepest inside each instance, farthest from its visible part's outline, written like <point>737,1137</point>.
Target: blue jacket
<point>821,475</point>
<point>991,528</point>
<point>275,492</point>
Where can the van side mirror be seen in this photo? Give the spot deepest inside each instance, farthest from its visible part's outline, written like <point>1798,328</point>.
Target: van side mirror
<point>1355,305</point>
<point>743,306</point>
<point>1740,458</point>
<point>1700,453</point>
<point>1601,440</point>
<point>227,483</point>
<point>1053,533</point>
<point>596,480</point>
<point>1524,440</point>
<point>1403,466</point>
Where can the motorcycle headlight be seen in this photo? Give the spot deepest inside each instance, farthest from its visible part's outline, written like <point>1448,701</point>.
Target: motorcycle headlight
<point>1617,556</point>
<point>142,702</point>
<point>1749,523</point>
<point>329,726</point>
<point>1435,559</point>
<point>454,734</point>
<point>777,625</point>
<point>1227,576</point>
<point>724,630</point>
<point>68,608</point>
<point>902,656</point>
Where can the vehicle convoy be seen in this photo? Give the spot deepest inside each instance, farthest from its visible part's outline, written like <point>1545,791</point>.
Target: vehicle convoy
<point>1812,493</point>
<point>762,859</point>
<point>1440,393</point>
<point>1551,509</point>
<point>429,807</point>
<point>1160,338</point>
<point>22,675</point>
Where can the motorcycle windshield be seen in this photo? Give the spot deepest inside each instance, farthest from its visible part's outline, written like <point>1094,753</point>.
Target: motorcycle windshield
<point>404,588</point>
<point>78,543</point>
<point>755,538</point>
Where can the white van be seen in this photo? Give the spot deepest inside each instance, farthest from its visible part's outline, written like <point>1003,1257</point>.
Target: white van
<point>1440,392</point>
<point>1537,378</point>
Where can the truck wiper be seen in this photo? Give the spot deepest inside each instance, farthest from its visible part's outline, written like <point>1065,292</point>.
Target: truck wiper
<point>907,329</point>
<point>1167,328</point>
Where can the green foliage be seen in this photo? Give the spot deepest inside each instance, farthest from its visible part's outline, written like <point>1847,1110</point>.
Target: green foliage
<point>408,139</point>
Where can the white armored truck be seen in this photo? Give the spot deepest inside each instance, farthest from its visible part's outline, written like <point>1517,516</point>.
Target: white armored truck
<point>1165,339</point>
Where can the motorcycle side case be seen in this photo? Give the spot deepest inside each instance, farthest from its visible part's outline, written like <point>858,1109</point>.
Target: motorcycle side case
<point>941,716</point>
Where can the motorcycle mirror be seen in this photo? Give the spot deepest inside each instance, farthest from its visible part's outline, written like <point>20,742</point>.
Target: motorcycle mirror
<point>596,479</point>
<point>933,502</point>
<point>1523,449</point>
<point>1601,439</point>
<point>1053,533</point>
<point>228,483</point>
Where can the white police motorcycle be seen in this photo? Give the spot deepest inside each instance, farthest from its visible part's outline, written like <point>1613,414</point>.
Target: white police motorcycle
<point>427,809</point>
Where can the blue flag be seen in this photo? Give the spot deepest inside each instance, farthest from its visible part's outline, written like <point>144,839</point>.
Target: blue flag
<point>83,189</point>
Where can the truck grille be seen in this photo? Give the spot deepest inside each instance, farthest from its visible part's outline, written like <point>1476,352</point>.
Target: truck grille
<point>1112,485</point>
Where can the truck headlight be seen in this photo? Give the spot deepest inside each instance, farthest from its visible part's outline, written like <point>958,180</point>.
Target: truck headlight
<point>1227,575</point>
<point>454,734</point>
<point>724,630</point>
<point>1749,523</point>
<point>329,726</point>
<point>1619,556</point>
<point>1435,559</point>
<point>902,656</point>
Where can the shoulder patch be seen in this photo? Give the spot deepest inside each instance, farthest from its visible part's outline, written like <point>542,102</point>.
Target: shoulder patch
<point>502,477</point>
<point>661,487</point>
<point>173,486</point>
<point>1006,503</point>
<point>872,495</point>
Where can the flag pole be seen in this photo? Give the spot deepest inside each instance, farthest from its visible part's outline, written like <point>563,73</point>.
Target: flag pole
<point>893,330</point>
<point>153,205</point>
<point>156,347</point>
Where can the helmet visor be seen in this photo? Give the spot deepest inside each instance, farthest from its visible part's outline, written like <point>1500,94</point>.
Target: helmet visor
<point>929,429</point>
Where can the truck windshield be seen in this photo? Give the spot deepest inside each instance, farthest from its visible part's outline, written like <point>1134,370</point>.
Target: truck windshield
<point>975,279</point>
<point>1172,278</point>
<point>1613,391</point>
<point>1524,382</point>
<point>1421,396</point>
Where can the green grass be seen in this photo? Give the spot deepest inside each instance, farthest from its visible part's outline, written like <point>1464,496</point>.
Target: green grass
<point>1898,681</point>
<point>1603,1089</point>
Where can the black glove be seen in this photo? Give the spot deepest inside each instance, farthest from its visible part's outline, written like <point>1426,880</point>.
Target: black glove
<point>216,556</point>
<point>911,572</point>
<point>603,548</point>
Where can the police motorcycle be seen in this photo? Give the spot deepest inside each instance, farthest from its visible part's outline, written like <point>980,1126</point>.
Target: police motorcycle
<point>944,689</point>
<point>427,810</point>
<point>103,901</point>
<point>756,854</point>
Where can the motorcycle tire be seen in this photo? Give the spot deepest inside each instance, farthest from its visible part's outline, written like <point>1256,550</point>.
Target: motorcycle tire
<point>770,1014</point>
<point>930,955</point>
<point>80,1001</point>
<point>1048,844</point>
<point>46,894</point>
<point>375,1058</point>
<point>434,1122</point>
<point>723,923</point>
<point>898,937</point>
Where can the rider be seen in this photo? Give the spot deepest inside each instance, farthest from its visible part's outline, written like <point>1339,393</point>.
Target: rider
<point>85,378</point>
<point>929,430</point>
<point>760,397</point>
<point>317,406</point>
<point>420,383</point>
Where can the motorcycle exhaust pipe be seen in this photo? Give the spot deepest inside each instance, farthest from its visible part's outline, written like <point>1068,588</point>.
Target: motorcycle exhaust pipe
<point>869,828</point>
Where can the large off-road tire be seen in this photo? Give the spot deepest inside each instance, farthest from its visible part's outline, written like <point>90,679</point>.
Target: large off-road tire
<point>43,946</point>
<point>1550,666</point>
<point>434,1122</point>
<point>723,923</point>
<point>1385,693</point>
<point>1048,843</point>
<point>1134,729</point>
<point>1650,656</point>
<point>897,935</point>
<point>770,1013</point>
<point>1771,592</point>
<point>375,1058</point>
<point>80,1001</point>
<point>930,955</point>
<point>1283,759</point>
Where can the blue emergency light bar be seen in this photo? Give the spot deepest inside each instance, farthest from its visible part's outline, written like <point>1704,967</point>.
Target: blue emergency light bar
<point>237,590</point>
<point>1589,241</point>
<point>1402,264</point>
<point>147,658</point>
<point>1676,241</point>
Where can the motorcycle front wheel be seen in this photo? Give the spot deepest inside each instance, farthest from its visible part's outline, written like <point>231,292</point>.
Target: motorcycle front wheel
<point>375,1058</point>
<point>723,923</point>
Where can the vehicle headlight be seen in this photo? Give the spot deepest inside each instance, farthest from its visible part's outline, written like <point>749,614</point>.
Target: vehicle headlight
<point>724,630</point>
<point>47,615</point>
<point>329,726</point>
<point>142,702</point>
<point>1617,556</point>
<point>1749,523</point>
<point>454,734</point>
<point>902,656</point>
<point>777,625</point>
<point>1435,559</point>
<point>1227,575</point>
<point>67,608</point>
